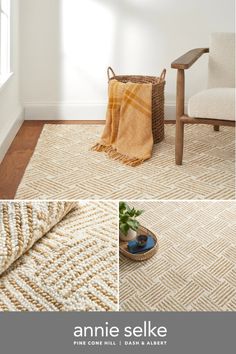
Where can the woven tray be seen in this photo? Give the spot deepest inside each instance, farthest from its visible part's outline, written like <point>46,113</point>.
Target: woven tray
<point>140,256</point>
<point>158,98</point>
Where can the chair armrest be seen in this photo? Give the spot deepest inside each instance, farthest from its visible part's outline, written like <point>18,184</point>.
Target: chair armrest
<point>187,60</point>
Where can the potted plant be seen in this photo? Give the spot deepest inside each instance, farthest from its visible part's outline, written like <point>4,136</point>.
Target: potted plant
<point>127,221</point>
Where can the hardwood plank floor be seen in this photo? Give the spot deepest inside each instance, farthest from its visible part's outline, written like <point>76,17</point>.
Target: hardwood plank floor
<point>18,155</point>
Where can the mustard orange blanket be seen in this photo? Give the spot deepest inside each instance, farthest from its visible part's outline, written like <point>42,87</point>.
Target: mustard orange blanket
<point>127,136</point>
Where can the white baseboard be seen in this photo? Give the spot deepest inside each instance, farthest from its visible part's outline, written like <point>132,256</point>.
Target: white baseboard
<point>64,111</point>
<point>76,111</point>
<point>10,134</point>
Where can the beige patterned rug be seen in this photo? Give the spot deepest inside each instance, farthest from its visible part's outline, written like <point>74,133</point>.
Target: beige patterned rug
<point>73,267</point>
<point>195,268</point>
<point>63,167</point>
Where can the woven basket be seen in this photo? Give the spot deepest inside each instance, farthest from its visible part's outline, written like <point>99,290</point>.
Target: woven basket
<point>140,256</point>
<point>158,88</point>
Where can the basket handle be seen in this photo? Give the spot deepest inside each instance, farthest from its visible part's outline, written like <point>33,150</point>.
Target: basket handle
<point>108,73</point>
<point>163,75</point>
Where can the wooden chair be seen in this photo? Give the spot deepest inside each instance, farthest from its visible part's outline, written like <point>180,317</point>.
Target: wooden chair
<point>216,105</point>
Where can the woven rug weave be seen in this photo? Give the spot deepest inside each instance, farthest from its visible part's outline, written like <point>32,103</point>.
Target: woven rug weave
<point>63,167</point>
<point>22,224</point>
<point>195,268</point>
<point>72,268</point>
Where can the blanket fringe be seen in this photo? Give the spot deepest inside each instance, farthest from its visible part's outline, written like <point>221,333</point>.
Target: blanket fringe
<point>101,148</point>
<point>115,155</point>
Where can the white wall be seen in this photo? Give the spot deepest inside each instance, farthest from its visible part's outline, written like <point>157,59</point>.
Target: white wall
<point>11,114</point>
<point>66,46</point>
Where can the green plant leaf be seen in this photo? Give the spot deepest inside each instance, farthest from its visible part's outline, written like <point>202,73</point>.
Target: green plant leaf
<point>133,224</point>
<point>128,208</point>
<point>132,212</point>
<point>124,228</point>
<point>139,212</point>
<point>127,218</point>
<point>124,218</point>
<point>122,207</point>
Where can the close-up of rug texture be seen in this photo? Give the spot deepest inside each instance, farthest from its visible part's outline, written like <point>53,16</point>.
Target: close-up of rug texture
<point>195,267</point>
<point>58,256</point>
<point>64,167</point>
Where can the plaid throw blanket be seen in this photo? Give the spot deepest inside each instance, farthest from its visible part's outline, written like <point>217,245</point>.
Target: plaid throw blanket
<point>127,136</point>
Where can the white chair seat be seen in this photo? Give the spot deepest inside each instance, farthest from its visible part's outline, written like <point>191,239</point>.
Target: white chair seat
<point>215,103</point>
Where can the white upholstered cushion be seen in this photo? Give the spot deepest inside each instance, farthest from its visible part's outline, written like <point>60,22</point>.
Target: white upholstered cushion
<point>221,68</point>
<point>216,103</point>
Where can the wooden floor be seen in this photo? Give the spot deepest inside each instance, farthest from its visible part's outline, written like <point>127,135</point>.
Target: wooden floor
<point>17,157</point>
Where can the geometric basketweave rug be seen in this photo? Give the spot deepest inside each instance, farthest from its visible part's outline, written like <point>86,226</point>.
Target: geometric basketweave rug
<point>195,267</point>
<point>73,267</point>
<point>64,167</point>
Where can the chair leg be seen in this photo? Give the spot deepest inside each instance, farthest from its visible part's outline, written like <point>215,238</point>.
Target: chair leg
<point>179,136</point>
<point>179,142</point>
<point>216,128</point>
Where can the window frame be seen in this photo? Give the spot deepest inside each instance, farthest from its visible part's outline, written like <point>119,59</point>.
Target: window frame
<point>5,75</point>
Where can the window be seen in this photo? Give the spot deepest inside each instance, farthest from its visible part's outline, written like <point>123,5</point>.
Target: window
<point>4,40</point>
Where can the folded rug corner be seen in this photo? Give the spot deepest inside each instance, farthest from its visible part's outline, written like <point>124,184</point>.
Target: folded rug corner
<point>24,223</point>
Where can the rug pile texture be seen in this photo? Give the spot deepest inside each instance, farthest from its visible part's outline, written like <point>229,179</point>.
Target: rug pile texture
<point>73,267</point>
<point>22,224</point>
<point>64,167</point>
<point>195,268</point>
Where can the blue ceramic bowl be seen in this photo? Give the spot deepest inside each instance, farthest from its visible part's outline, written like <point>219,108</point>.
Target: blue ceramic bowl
<point>141,240</point>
